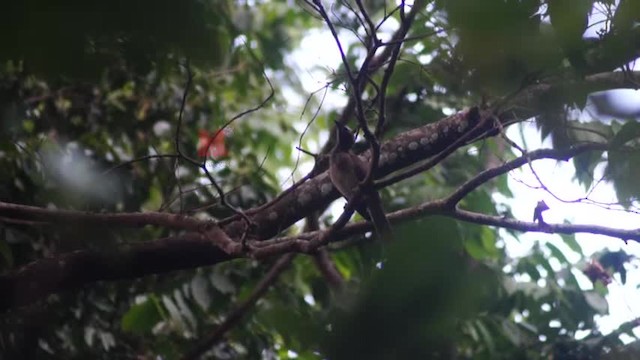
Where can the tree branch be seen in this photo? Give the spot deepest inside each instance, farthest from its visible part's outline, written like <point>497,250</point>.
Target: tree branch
<point>526,226</point>
<point>72,270</point>
<point>33,213</point>
<point>483,177</point>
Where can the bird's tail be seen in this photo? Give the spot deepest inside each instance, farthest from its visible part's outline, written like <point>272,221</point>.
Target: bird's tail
<point>378,217</point>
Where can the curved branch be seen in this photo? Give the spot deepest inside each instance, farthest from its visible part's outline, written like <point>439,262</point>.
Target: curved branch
<point>139,159</point>
<point>483,177</point>
<point>526,226</point>
<point>308,242</point>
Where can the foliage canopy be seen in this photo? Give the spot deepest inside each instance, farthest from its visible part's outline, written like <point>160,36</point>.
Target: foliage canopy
<point>123,234</point>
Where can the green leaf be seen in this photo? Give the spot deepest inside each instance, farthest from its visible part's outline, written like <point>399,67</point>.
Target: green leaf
<point>629,131</point>
<point>597,302</point>
<point>544,262</point>
<point>154,200</point>
<point>201,291</point>
<point>623,170</point>
<point>475,249</point>
<point>141,318</point>
<point>488,238</point>
<point>555,252</point>
<point>585,165</point>
<point>487,337</point>
<point>88,38</point>
<point>570,241</point>
<point>512,332</point>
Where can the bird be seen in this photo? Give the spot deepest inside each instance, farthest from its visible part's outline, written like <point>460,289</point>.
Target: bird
<point>346,171</point>
<point>537,212</point>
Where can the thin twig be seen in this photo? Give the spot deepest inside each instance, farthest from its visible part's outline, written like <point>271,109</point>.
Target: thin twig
<point>395,54</point>
<point>483,177</point>
<point>218,188</point>
<point>306,128</point>
<point>183,104</point>
<point>139,159</point>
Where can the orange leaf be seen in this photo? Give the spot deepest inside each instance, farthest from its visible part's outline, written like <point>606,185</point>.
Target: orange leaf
<point>211,144</point>
<point>595,272</point>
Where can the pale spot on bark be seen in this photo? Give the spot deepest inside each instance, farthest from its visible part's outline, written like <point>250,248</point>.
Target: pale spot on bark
<point>462,125</point>
<point>383,159</point>
<point>326,188</point>
<point>304,198</point>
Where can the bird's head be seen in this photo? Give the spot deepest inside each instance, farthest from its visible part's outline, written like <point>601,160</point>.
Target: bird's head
<point>344,137</point>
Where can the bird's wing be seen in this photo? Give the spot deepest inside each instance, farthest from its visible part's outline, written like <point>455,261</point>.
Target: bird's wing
<point>344,173</point>
<point>361,167</point>
<point>373,201</point>
<point>347,170</point>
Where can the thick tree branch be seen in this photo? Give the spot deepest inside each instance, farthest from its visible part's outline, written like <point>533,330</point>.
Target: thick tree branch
<point>402,151</point>
<point>419,144</point>
<point>73,270</point>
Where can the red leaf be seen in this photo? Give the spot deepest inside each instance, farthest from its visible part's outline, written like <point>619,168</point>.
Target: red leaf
<point>595,272</point>
<point>211,144</point>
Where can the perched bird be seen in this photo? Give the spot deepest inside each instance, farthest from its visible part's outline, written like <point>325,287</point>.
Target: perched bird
<point>537,212</point>
<point>347,170</point>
